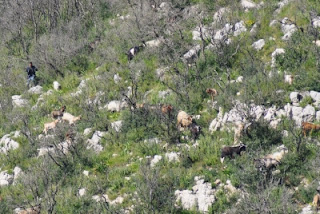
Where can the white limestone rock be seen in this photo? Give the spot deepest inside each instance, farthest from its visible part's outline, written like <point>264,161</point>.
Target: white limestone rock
<point>239,28</point>
<point>87,131</point>
<point>94,142</point>
<point>316,22</point>
<point>116,105</point>
<point>35,90</point>
<point>7,144</point>
<point>152,140</point>
<point>82,192</point>
<point>172,157</point>
<point>5,178</point>
<point>248,4</point>
<point>156,159</point>
<point>117,78</point>
<point>224,32</point>
<point>287,28</point>
<point>218,16</point>
<point>308,113</point>
<point>17,172</point>
<point>201,196</point>
<point>307,210</point>
<point>17,101</point>
<point>154,43</point>
<point>315,96</point>
<point>258,45</point>
<point>274,54</point>
<point>117,125</point>
<point>295,97</point>
<point>318,115</point>
<point>192,53</point>
<point>164,94</point>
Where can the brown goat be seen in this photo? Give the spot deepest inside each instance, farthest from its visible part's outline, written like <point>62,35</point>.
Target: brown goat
<point>316,201</point>
<point>308,127</point>
<point>58,113</point>
<point>212,92</point>
<point>166,109</point>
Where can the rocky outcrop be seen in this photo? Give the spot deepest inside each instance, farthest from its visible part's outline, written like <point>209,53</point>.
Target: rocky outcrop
<point>35,90</point>
<point>94,142</point>
<point>7,144</point>
<point>241,112</point>
<point>201,196</point>
<point>248,4</point>
<point>156,159</point>
<point>172,157</point>
<point>116,105</point>
<point>17,101</point>
<point>316,22</point>
<point>5,178</point>
<point>239,28</point>
<point>117,125</point>
<point>274,54</point>
<point>287,28</point>
<point>258,45</point>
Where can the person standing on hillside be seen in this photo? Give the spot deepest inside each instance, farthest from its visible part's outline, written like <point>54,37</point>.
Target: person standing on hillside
<point>31,71</point>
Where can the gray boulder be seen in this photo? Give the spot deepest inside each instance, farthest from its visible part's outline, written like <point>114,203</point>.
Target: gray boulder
<point>239,28</point>
<point>17,101</point>
<point>315,96</point>
<point>316,22</point>
<point>6,144</point>
<point>35,90</point>
<point>308,113</point>
<point>295,97</point>
<point>258,45</point>
<point>248,4</point>
<point>287,28</point>
<point>5,178</point>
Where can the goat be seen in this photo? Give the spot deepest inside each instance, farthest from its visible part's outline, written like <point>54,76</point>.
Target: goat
<point>266,163</point>
<point>48,126</point>
<point>70,118</point>
<point>316,201</point>
<point>134,50</point>
<point>288,78</point>
<point>58,113</point>
<point>184,119</point>
<point>278,155</point>
<point>195,130</point>
<point>34,210</point>
<point>230,151</point>
<point>166,109</point>
<point>212,92</point>
<point>70,136</point>
<point>307,127</point>
<point>272,160</point>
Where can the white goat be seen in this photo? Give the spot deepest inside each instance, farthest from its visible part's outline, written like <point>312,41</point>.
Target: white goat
<point>279,154</point>
<point>70,118</point>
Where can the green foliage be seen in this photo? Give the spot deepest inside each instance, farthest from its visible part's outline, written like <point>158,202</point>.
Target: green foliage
<point>306,101</point>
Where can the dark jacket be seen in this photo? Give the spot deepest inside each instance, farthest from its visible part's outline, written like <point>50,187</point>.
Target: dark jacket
<point>31,71</point>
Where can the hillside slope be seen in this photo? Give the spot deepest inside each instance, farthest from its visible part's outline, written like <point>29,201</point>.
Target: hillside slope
<point>180,106</point>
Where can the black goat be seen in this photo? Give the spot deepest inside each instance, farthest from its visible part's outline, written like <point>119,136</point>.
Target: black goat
<point>134,50</point>
<point>230,151</point>
<point>195,130</point>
